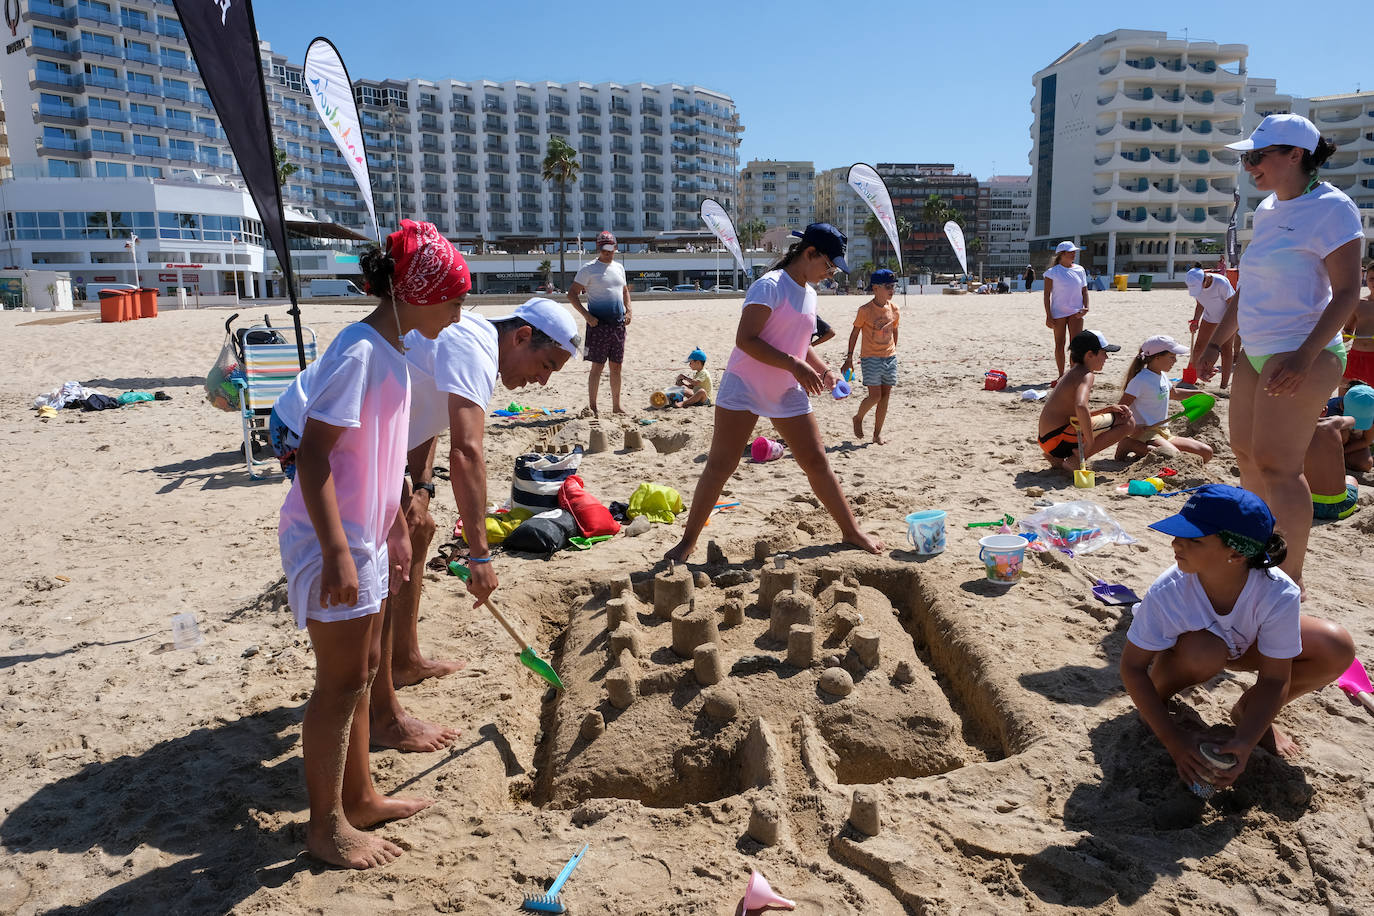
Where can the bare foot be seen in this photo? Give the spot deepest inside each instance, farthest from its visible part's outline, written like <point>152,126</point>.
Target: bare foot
<point>348,847</point>
<point>381,808</point>
<point>407,733</point>
<point>680,553</point>
<point>1279,744</point>
<point>618,410</point>
<point>865,541</point>
<point>428,667</point>
<point>858,427</point>
<point>877,438</point>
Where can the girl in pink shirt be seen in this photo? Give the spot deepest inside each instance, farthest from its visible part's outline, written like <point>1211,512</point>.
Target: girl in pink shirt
<point>771,372</point>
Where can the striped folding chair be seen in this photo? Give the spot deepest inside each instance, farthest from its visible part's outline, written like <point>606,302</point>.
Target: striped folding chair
<point>266,371</point>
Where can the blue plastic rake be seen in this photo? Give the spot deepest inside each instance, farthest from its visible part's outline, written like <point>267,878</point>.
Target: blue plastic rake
<point>550,902</point>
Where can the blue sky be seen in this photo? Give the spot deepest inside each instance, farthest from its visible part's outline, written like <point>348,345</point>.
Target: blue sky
<point>831,82</point>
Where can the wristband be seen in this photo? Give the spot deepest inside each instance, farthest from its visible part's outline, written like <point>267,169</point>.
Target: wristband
<point>472,560</point>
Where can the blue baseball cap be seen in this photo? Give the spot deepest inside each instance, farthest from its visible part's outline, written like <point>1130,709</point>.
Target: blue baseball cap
<point>828,240</point>
<point>1218,509</point>
<point>1359,403</point>
<point>882,277</point>
<point>696,354</point>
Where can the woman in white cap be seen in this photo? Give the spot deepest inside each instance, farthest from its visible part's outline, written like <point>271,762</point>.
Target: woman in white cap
<point>1066,299</point>
<point>1299,284</point>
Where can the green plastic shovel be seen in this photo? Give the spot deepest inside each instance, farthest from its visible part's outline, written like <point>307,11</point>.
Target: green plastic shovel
<point>528,657</point>
<point>1195,407</point>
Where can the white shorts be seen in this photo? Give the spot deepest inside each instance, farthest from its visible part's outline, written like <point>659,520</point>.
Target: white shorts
<point>303,591</point>
<point>735,394</point>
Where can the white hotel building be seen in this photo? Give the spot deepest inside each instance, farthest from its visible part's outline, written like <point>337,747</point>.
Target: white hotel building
<point>1127,150</point>
<point>112,134</point>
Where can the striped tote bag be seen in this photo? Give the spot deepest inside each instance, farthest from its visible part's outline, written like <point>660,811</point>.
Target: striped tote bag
<point>538,478</point>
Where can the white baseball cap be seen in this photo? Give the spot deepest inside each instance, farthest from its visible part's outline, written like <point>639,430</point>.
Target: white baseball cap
<point>1162,343</point>
<point>1194,279</point>
<point>551,318</point>
<point>1281,130</point>
<point>1066,246</point>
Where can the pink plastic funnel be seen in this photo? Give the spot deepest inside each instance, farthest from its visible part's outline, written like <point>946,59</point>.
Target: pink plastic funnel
<point>1355,682</point>
<point>759,895</point>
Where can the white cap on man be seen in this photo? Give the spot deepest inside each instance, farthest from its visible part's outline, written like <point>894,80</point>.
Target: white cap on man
<point>552,319</point>
<point>1281,130</point>
<point>1194,279</point>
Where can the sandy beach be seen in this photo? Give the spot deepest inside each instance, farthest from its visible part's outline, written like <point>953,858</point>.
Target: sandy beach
<point>1009,770</point>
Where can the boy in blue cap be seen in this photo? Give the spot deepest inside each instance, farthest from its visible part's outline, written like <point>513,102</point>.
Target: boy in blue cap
<point>877,322</point>
<point>1225,604</point>
<point>697,386</point>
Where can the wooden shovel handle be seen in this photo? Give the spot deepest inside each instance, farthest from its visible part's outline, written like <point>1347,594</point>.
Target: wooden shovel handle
<point>1366,700</point>
<point>515,635</point>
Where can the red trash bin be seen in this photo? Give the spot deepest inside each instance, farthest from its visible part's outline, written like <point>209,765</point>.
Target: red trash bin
<point>147,302</point>
<point>111,304</point>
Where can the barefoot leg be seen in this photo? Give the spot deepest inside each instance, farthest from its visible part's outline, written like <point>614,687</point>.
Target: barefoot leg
<point>879,415</point>
<point>405,661</point>
<point>389,724</point>
<point>804,437</point>
<point>362,804</point>
<point>728,439</point>
<point>341,675</point>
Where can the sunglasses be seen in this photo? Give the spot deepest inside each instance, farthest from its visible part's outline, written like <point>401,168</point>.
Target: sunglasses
<point>1254,157</point>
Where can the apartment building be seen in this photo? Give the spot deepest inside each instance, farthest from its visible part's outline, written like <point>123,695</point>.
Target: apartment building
<point>1347,119</point>
<point>780,192</point>
<point>1003,223</point>
<point>1128,150</point>
<point>839,205</point>
<point>911,184</point>
<point>112,135</point>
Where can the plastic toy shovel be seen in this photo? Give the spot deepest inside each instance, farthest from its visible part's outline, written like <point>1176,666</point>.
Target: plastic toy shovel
<point>528,658</point>
<point>1355,682</point>
<point>1195,407</point>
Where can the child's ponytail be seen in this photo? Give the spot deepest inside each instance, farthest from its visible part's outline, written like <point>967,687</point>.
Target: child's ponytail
<point>1137,364</point>
<point>791,254</point>
<point>1275,552</point>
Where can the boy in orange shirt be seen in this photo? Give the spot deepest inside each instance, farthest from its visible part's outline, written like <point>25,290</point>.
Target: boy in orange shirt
<point>877,321</point>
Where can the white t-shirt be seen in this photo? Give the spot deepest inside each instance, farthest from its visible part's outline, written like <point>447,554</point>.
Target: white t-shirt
<point>1213,298</point>
<point>462,360</point>
<point>1284,286</point>
<point>764,390</point>
<point>1066,296</point>
<point>1266,613</point>
<point>1151,392</point>
<point>605,285</point>
<point>362,385</point>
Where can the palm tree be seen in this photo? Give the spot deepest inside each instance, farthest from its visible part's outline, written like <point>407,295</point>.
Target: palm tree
<point>751,230</point>
<point>904,230</point>
<point>545,268</point>
<point>285,167</point>
<point>873,229</point>
<point>934,210</point>
<point>561,167</point>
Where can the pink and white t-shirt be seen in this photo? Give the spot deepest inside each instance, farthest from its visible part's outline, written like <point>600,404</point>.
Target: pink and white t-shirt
<point>360,384</point>
<point>764,390</point>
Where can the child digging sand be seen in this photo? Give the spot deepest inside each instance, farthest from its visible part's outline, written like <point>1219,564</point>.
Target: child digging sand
<point>1223,605</point>
<point>769,374</point>
<point>877,320</point>
<point>1146,390</point>
<point>696,388</point>
<point>344,542</point>
<point>1067,418</point>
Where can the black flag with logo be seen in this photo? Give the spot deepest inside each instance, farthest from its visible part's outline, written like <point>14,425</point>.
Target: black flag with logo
<point>1232,239</point>
<point>224,41</point>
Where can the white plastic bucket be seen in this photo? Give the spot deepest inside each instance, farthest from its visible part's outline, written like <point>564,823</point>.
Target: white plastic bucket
<point>925,531</point>
<point>1002,556</point>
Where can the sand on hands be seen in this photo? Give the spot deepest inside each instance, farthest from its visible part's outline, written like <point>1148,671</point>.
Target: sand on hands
<point>989,742</point>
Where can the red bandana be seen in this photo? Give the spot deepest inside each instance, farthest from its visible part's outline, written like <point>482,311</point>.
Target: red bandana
<point>429,270</point>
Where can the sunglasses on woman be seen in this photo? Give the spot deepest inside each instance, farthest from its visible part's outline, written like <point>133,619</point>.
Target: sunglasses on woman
<point>1254,157</point>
